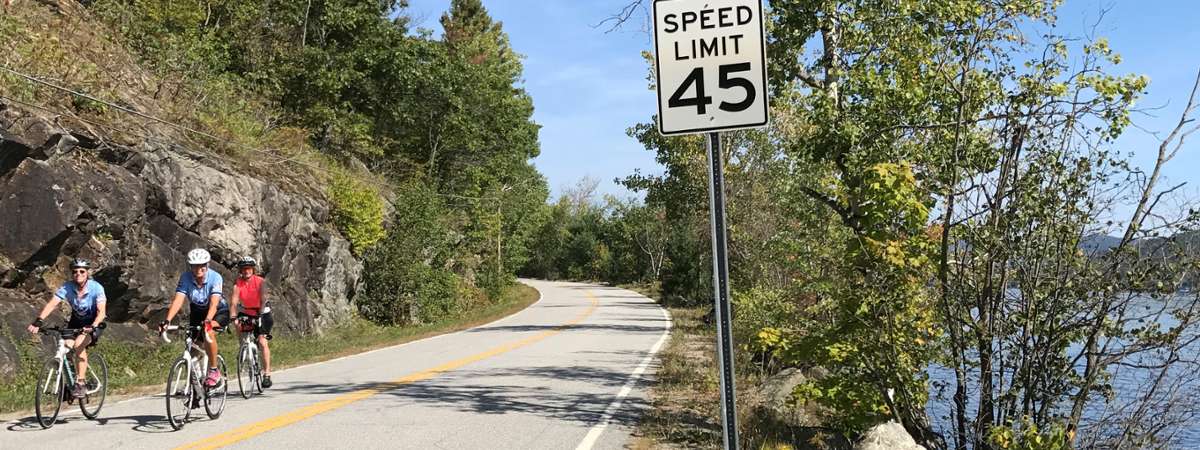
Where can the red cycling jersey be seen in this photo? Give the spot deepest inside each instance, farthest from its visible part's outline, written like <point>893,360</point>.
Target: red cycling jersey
<point>250,294</point>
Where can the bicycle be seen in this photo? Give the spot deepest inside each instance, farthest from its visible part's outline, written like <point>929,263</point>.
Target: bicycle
<point>59,382</point>
<point>249,365</point>
<point>185,386</point>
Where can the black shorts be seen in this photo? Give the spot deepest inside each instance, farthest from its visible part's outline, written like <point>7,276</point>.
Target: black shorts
<point>197,315</point>
<point>263,326</point>
<point>78,322</point>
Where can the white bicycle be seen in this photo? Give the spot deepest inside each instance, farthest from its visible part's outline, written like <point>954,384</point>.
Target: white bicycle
<point>185,382</point>
<point>249,366</point>
<point>59,381</point>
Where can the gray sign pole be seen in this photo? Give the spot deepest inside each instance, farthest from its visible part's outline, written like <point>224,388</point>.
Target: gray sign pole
<point>716,207</point>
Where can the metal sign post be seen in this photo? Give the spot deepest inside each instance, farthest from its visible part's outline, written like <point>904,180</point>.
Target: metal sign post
<point>716,207</point>
<point>711,73</point>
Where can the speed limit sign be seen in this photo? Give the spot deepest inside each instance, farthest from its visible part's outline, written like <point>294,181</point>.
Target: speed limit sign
<point>710,65</point>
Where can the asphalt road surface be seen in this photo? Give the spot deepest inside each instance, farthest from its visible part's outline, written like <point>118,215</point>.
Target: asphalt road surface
<point>567,373</point>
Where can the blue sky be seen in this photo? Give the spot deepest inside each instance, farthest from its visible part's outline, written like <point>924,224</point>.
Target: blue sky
<point>588,86</point>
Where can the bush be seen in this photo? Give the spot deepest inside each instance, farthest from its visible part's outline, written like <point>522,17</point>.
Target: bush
<point>760,321</point>
<point>357,212</point>
<point>407,276</point>
<point>412,293</point>
<point>687,271</point>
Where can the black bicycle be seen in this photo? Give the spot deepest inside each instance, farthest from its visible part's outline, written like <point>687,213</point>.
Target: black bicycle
<point>58,383</point>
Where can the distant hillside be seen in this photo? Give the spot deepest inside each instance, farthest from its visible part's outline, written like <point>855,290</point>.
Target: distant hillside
<point>1098,243</point>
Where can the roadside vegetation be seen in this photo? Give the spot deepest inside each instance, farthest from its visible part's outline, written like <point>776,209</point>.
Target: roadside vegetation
<point>419,143</point>
<point>937,229</point>
<point>342,100</point>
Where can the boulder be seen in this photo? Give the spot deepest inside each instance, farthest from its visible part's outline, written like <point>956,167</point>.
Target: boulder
<point>887,436</point>
<point>777,395</point>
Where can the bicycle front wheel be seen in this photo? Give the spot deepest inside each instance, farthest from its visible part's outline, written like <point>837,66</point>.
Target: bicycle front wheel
<point>179,394</point>
<point>258,372</point>
<point>214,400</point>
<point>97,385</point>
<point>47,400</point>
<point>245,373</point>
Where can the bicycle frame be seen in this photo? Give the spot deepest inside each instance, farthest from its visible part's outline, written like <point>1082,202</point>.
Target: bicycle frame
<point>189,347</point>
<point>60,358</point>
<point>249,340</point>
<point>65,365</point>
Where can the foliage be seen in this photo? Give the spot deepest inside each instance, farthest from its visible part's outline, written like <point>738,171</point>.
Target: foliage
<point>926,195</point>
<point>761,316</point>
<point>406,276</point>
<point>357,211</point>
<point>1029,437</point>
<point>362,86</point>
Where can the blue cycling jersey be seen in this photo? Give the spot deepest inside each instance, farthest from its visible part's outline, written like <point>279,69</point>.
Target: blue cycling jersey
<point>83,302</point>
<point>199,295</point>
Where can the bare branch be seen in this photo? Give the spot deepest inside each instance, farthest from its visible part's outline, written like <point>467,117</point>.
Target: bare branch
<point>615,21</point>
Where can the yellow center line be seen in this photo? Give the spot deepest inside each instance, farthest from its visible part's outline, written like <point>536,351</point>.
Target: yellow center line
<point>282,420</point>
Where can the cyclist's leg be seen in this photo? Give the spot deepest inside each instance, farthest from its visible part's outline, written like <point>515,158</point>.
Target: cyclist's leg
<point>196,318</point>
<point>79,343</point>
<point>81,356</point>
<point>211,348</point>
<point>263,331</point>
<point>222,321</point>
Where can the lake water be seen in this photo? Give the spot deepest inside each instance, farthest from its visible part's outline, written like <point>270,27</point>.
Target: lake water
<point>1129,383</point>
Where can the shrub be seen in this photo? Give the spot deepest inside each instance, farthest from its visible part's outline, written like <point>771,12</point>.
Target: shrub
<point>357,211</point>
<point>411,293</point>
<point>407,276</point>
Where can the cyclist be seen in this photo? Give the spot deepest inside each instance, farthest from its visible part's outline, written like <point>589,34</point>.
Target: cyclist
<point>250,291</point>
<point>203,290</point>
<point>86,298</point>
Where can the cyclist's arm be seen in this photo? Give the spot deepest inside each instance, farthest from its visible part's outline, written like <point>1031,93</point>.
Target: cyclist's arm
<point>233,303</point>
<point>101,314</point>
<point>176,303</point>
<point>49,308</point>
<point>262,294</point>
<point>214,302</point>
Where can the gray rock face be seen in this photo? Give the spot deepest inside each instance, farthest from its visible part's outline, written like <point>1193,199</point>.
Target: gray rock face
<point>135,212</point>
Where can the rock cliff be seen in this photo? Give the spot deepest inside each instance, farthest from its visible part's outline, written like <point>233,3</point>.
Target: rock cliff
<point>134,209</point>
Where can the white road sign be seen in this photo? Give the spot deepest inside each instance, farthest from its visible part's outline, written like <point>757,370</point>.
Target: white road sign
<point>711,65</point>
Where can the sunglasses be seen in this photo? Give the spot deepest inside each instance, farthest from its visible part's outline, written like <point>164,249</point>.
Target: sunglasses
<point>79,271</point>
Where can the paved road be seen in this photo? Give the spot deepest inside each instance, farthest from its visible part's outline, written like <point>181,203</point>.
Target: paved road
<point>558,375</point>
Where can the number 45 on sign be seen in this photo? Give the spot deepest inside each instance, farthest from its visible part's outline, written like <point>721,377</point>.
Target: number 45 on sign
<point>712,61</point>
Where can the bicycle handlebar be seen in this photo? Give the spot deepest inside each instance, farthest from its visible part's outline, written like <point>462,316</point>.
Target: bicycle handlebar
<point>187,328</point>
<point>64,330</point>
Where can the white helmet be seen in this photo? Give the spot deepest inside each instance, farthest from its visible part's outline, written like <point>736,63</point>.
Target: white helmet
<point>198,256</point>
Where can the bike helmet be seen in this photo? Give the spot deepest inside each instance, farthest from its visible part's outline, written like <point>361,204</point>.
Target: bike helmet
<point>80,263</point>
<point>198,256</point>
<point>247,261</point>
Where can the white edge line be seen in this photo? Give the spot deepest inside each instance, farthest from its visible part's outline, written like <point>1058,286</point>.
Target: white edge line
<point>430,338</point>
<point>594,433</point>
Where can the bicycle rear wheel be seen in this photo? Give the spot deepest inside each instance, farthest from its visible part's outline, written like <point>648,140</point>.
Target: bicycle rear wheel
<point>96,385</point>
<point>179,394</point>
<point>214,399</point>
<point>47,400</point>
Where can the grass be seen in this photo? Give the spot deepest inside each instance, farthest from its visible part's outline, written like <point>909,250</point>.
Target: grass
<point>137,369</point>
<point>685,401</point>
